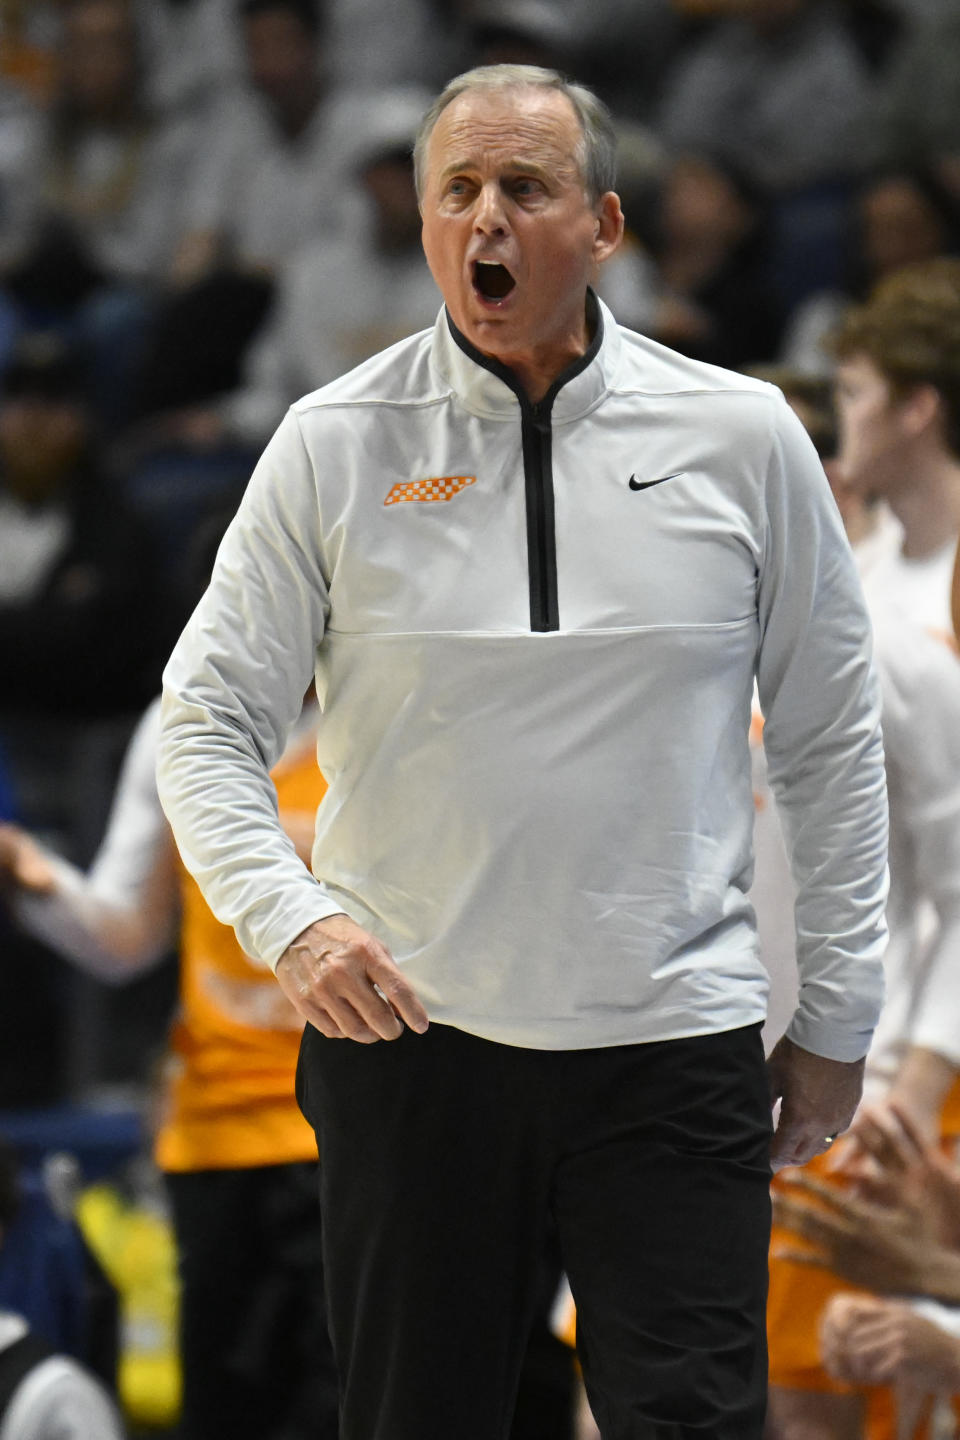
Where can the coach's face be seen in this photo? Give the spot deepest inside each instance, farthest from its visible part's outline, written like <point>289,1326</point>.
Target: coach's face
<point>509,232</point>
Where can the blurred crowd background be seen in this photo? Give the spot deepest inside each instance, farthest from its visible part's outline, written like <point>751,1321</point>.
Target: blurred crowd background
<point>207,210</point>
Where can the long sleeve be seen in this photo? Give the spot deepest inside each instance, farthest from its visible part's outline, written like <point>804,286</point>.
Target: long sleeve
<point>232,689</point>
<point>821,706</point>
<point>921,690</point>
<point>120,917</point>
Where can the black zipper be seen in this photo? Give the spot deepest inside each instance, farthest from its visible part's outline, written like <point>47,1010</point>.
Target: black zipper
<point>536,432</point>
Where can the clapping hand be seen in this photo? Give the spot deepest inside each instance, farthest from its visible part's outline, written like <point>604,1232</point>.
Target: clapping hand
<point>23,863</point>
<point>892,1162</point>
<point>868,1341</point>
<point>870,1245</point>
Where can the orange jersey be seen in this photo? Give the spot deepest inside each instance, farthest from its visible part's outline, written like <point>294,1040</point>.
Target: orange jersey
<point>230,1096</point>
<point>798,1296</point>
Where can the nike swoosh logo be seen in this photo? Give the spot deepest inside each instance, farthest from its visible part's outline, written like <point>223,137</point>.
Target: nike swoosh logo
<point>636,484</point>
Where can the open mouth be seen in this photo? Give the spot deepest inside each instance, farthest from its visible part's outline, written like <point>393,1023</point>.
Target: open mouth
<point>492,280</point>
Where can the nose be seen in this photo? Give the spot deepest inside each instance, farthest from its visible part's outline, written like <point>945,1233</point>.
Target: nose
<point>489,215</point>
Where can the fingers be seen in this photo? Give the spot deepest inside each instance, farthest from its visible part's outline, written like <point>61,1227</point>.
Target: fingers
<point>351,1022</point>
<point>819,1097</point>
<point>881,1134</point>
<point>349,993</point>
<point>398,992</point>
<point>841,1230</point>
<point>852,1331</point>
<point>809,1222</point>
<point>914,1142</point>
<point>344,982</point>
<point>793,1256</point>
<point>862,1339</point>
<point>829,1195</point>
<point>794,1144</point>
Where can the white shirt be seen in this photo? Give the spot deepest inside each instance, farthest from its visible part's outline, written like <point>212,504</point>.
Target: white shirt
<point>32,540</point>
<point>267,195</point>
<point>898,588</point>
<point>56,1400</point>
<point>122,916</point>
<point>540,794</point>
<point>338,303</point>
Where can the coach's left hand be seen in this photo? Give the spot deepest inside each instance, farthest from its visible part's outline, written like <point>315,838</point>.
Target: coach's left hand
<point>818,1099</point>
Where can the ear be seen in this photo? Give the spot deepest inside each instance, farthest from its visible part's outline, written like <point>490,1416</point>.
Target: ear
<point>609,227</point>
<point>920,408</point>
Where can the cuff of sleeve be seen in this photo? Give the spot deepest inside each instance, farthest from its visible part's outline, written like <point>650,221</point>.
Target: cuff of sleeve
<point>833,1042</point>
<point>308,914</point>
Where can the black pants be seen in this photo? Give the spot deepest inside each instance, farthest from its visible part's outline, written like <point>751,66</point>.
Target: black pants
<point>257,1363</point>
<point>442,1157</point>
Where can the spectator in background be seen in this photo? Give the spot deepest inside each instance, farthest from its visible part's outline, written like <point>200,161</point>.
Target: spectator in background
<point>518,32</point>
<point>408,42</point>
<point>191,52</point>
<point>111,171</point>
<point>626,48</point>
<point>28,35</point>
<point>43,1395</point>
<point>341,301</point>
<point>108,172</point>
<point>777,88</point>
<point>629,282</point>
<point>18,158</point>
<point>266,182</point>
<point>76,603</point>
<point>915,116</point>
<point>898,399</point>
<point>711,249</point>
<point>898,217</point>
<point>100,213</point>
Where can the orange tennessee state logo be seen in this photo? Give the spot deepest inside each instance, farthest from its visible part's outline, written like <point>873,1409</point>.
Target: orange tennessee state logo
<point>442,488</point>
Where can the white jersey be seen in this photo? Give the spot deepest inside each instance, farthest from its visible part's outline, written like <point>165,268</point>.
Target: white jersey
<point>920,680</point>
<point>898,588</point>
<point>921,723</point>
<point>920,683</point>
<point>535,631</point>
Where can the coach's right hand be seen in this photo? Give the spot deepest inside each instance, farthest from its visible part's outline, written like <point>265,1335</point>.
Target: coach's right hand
<point>344,982</point>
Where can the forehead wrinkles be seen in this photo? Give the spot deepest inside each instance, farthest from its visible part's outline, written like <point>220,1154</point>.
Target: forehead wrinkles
<point>481,135</point>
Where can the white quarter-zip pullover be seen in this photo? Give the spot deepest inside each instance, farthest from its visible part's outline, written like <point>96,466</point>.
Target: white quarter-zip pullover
<point>535,630</point>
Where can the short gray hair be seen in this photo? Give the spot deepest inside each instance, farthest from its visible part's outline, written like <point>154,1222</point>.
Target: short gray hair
<point>598,144</point>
